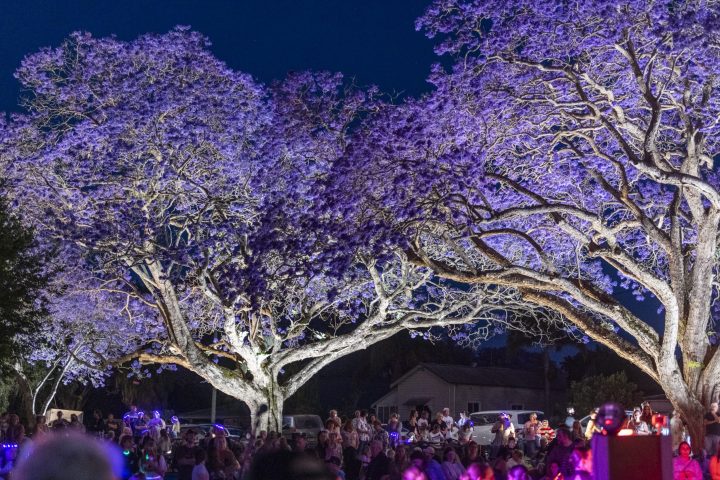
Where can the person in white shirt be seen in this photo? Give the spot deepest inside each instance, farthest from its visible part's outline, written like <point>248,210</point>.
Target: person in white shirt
<point>423,420</point>
<point>436,436</point>
<point>200,471</point>
<point>447,418</point>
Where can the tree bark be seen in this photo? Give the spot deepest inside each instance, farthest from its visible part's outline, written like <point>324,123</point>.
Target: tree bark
<point>266,411</point>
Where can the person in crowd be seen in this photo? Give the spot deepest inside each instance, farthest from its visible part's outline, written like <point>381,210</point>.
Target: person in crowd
<point>393,429</point>
<point>472,454</point>
<point>452,434</point>
<point>570,419</point>
<point>451,466</point>
<point>299,442</point>
<point>423,420</point>
<point>553,472</point>
<point>436,436</point>
<point>423,434</point>
<point>413,473</point>
<point>97,424</point>
<point>412,422</point>
<point>8,460</point>
<point>130,457</point>
<point>175,429</point>
<point>363,428</point>
<point>578,436</point>
<point>70,457</point>
<point>334,447</point>
<point>714,466</point>
<point>463,419</point>
<point>432,468</point>
<point>478,471</point>
<point>516,458</point>
<point>582,463</point>
<point>332,427</point>
<point>112,424</point>
<point>503,430</point>
<point>59,423</point>
<point>561,452</point>
<point>546,431</point>
<point>164,443</point>
<point>647,413</point>
<point>131,417</point>
<point>402,459</point>
<point>438,419</point>
<point>380,434</point>
<point>592,425</point>
<point>712,428</point>
<point>3,426</point>
<point>221,460</point>
<point>322,443</point>
<point>380,465</point>
<point>500,463</point>
<point>518,472</point>
<point>141,424</point>
<point>531,434</point>
<point>677,430</point>
<point>288,466</point>
<point>156,425</point>
<point>684,466</point>
<point>465,434</point>
<point>637,424</point>
<point>184,454</point>
<point>349,435</point>
<point>41,426</point>
<point>333,416</point>
<point>352,466</point>
<point>200,471</point>
<point>152,462</point>
<point>447,418</point>
<point>75,423</point>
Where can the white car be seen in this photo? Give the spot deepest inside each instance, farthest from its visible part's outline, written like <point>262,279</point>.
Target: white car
<point>484,421</point>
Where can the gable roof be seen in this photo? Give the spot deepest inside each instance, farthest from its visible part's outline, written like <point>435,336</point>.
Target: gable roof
<point>487,376</point>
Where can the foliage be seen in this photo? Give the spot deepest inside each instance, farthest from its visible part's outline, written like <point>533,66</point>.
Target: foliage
<point>185,194</point>
<point>593,391</point>
<point>23,277</point>
<point>566,155</point>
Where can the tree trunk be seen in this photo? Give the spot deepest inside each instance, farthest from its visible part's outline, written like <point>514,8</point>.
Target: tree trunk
<point>266,411</point>
<point>546,378</point>
<point>692,412</point>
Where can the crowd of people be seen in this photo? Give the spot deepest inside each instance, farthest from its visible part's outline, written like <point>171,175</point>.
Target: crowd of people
<point>429,447</point>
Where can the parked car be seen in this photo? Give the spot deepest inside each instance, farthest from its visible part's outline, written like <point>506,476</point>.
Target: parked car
<point>203,430</point>
<point>310,425</point>
<point>484,421</point>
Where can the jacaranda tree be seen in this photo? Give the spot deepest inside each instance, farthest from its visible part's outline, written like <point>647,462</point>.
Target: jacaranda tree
<point>569,152</point>
<point>184,195</point>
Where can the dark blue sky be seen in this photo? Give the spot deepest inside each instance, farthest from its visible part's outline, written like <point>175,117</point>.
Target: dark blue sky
<point>373,40</point>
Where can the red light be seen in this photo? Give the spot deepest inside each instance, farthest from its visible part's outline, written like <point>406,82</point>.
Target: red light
<point>608,421</point>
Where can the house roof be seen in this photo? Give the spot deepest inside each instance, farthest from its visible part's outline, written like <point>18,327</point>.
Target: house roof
<point>487,376</point>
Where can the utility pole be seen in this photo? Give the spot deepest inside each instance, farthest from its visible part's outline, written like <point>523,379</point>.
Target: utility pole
<point>213,405</point>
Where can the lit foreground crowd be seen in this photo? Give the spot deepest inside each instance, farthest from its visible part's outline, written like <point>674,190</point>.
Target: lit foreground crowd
<point>360,448</point>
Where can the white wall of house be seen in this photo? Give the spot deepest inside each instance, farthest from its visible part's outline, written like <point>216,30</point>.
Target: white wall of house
<point>422,383</point>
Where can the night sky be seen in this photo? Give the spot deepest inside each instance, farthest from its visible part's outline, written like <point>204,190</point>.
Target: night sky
<point>372,40</point>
